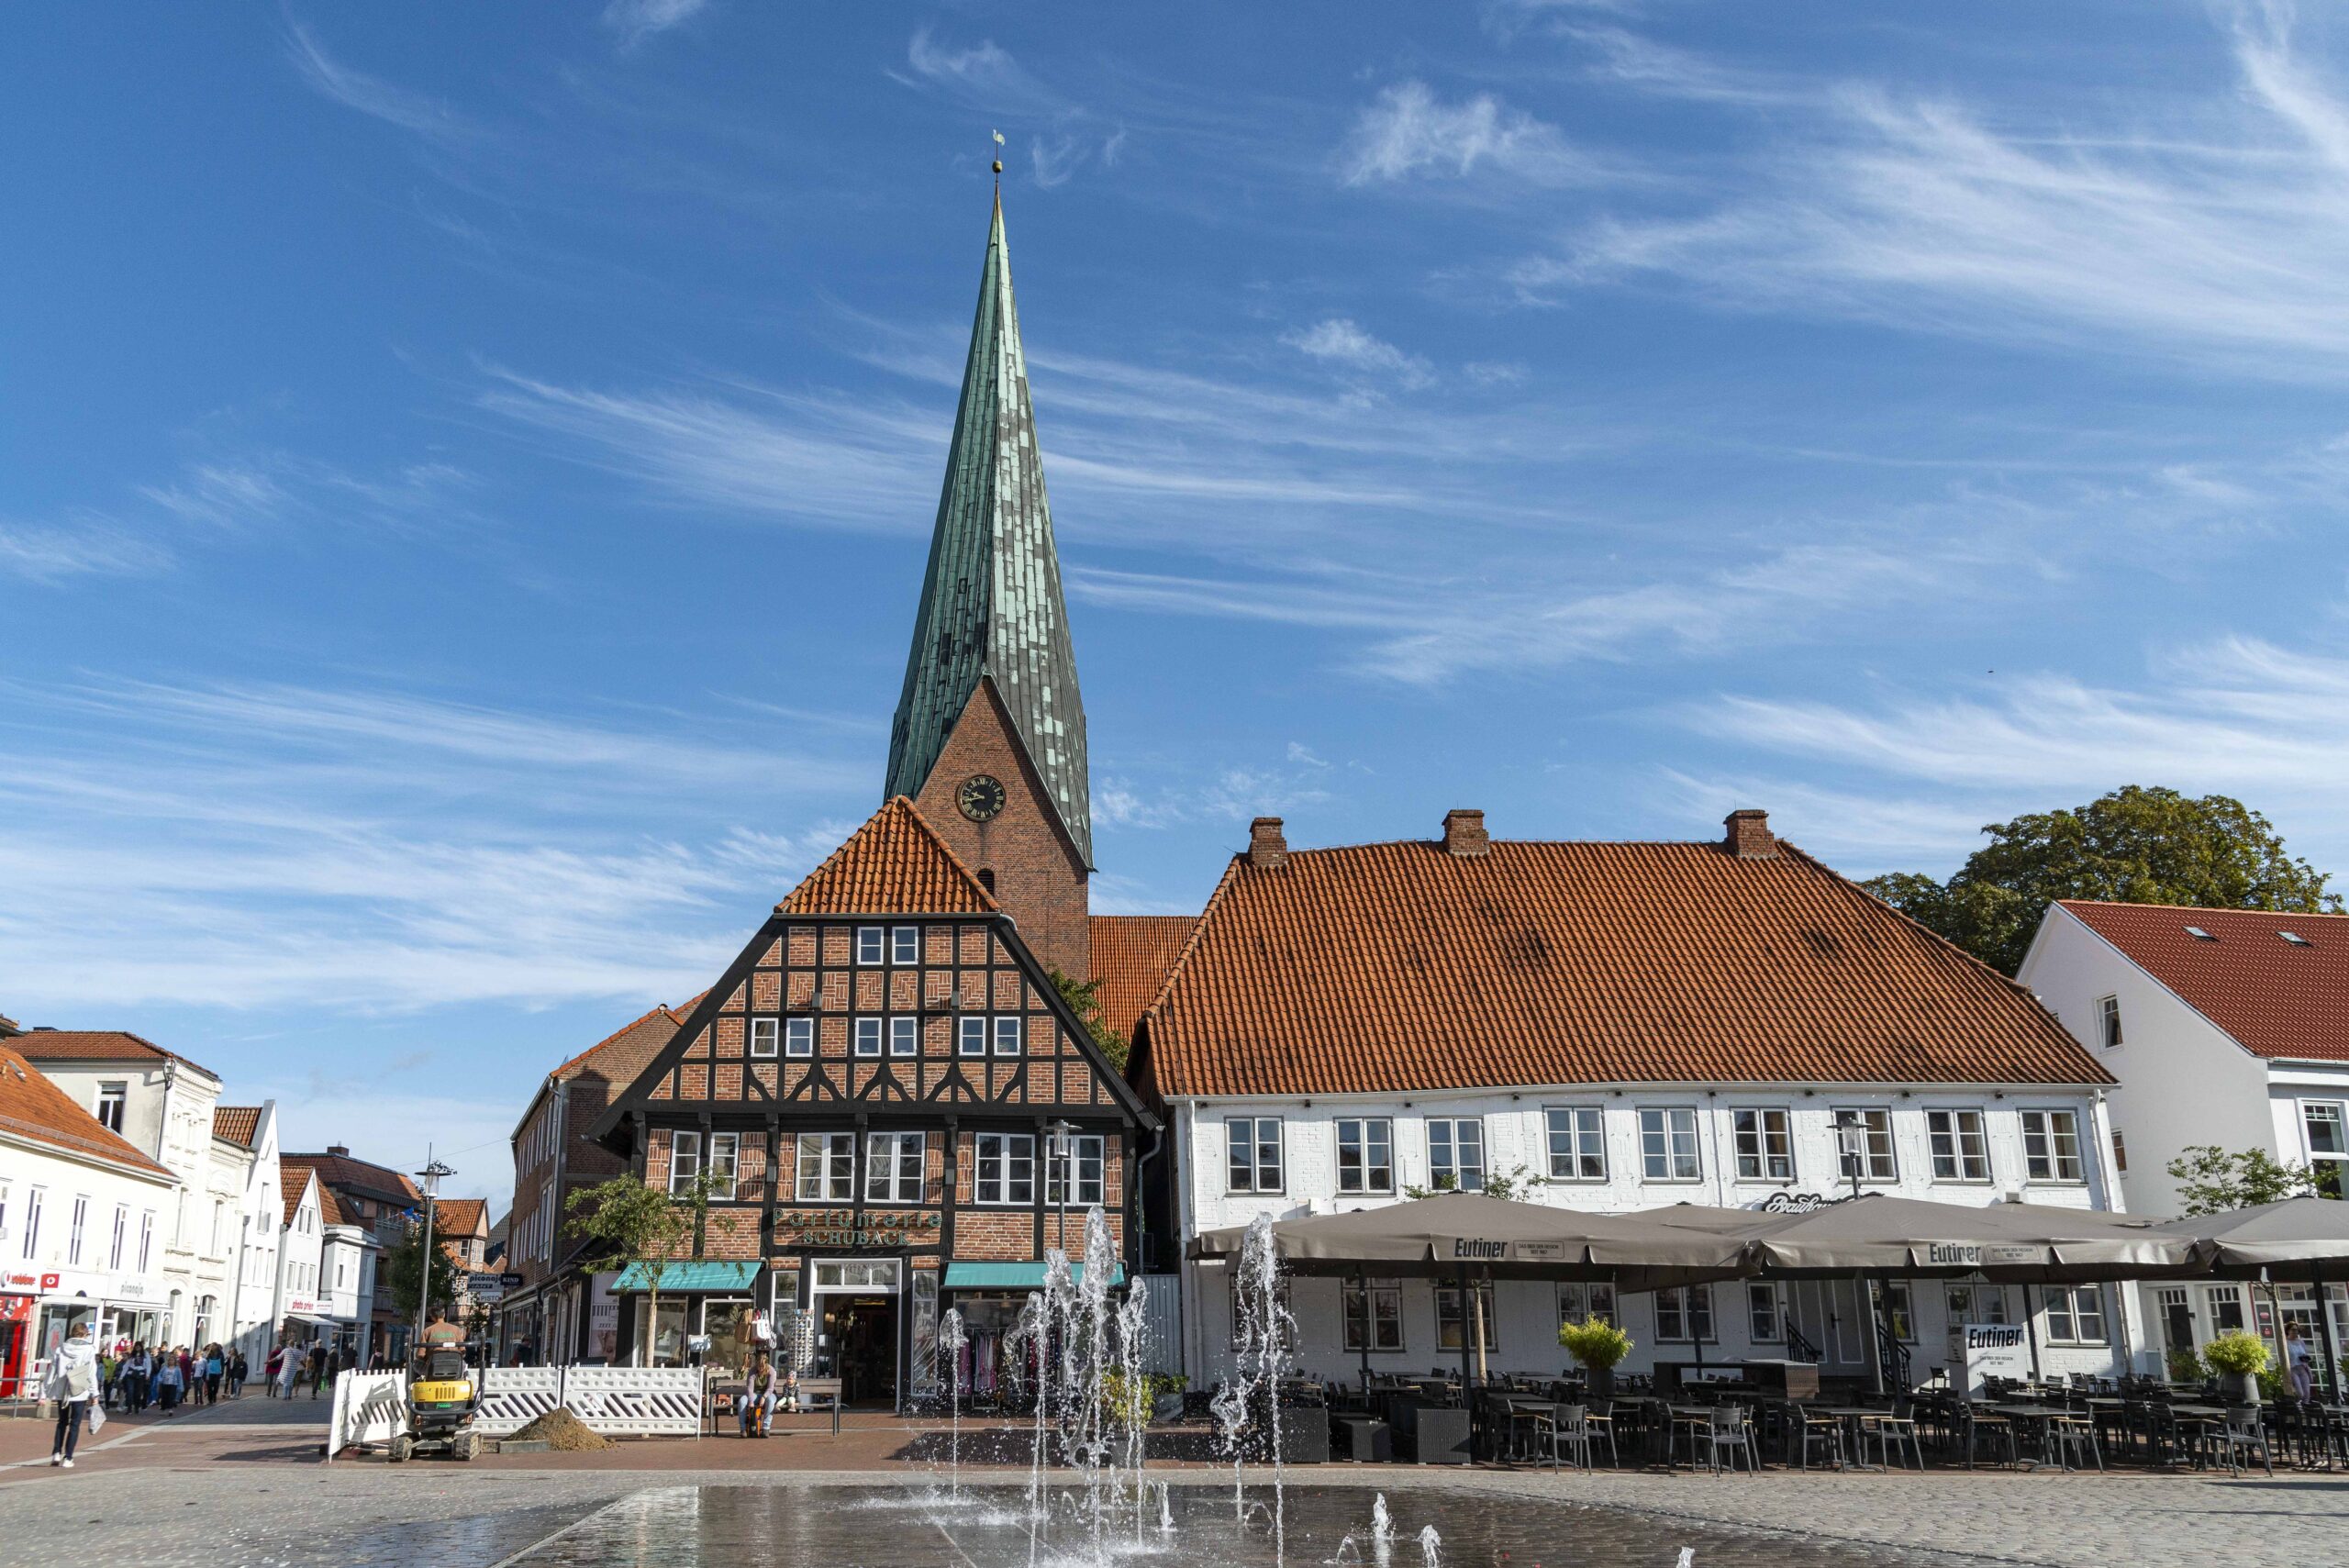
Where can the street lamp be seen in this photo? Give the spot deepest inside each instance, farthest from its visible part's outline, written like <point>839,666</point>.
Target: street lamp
<point>432,1172</point>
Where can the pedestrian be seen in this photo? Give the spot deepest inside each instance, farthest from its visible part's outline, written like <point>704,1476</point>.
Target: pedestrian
<point>135,1372</point>
<point>288,1370</point>
<point>169,1381</point>
<point>216,1367</point>
<point>73,1381</point>
<point>270,1368</point>
<point>187,1371</point>
<point>317,1369</point>
<point>239,1370</point>
<point>2299,1364</point>
<point>109,1374</point>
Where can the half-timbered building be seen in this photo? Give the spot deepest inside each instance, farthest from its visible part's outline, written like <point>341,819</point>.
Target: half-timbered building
<point>897,1109</point>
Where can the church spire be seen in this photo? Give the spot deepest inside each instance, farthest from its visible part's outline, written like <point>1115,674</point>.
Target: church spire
<point>991,602</point>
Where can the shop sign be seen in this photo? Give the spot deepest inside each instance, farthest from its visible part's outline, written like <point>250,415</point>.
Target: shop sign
<point>1943,1254</point>
<point>1798,1203</point>
<point>1994,1350</point>
<point>21,1284</point>
<point>845,1228</point>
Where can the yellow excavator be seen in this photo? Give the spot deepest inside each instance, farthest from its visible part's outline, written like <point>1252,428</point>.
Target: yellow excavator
<point>441,1395</point>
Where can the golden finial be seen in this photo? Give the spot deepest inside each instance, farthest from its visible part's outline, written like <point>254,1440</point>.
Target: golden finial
<point>999,162</point>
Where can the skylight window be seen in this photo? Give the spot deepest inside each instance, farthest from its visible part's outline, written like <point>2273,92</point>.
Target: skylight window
<point>2296,940</point>
<point>2199,935</point>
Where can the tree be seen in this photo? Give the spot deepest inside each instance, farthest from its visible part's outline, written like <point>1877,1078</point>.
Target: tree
<point>628,1224</point>
<point>403,1268</point>
<point>2137,845</point>
<point>2211,1181</point>
<point>1516,1186</point>
<point>1084,1000</point>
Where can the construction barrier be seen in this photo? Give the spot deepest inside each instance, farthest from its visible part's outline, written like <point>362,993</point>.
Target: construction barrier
<point>611,1401</point>
<point>369,1408</point>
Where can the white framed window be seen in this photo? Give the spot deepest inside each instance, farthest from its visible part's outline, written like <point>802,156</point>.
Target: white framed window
<point>1456,1154</point>
<point>32,1224</point>
<point>684,1159</point>
<point>1765,1319</point>
<point>1897,1307</point>
<point>905,1037</point>
<point>1085,1152</point>
<point>766,1036</point>
<point>112,1097</point>
<point>1366,1154</point>
<point>2327,1128</point>
<point>146,1238</point>
<point>1450,1323</point>
<point>1578,1301</point>
<point>1686,1314</point>
<point>1764,1144</point>
<point>1374,1315</point>
<point>1007,1168</point>
<point>1008,1031</point>
<point>75,1229</point>
<point>799,1036</point>
<point>2107,1021</point>
<point>2076,1315</point>
<point>970,1037</point>
<point>1577,1144</point>
<point>1253,1144</point>
<point>905,944</point>
<point>1668,1144</point>
<point>868,1037</point>
<point>893,1167</point>
<point>871,944</point>
<point>725,1149</point>
<point>1877,1161</point>
<point>2050,1146</point>
<point>121,1231</point>
<point>1961,1148</point>
<point>826,1167</point>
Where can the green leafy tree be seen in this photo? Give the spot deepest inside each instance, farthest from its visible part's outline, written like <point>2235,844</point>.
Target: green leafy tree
<point>2137,845</point>
<point>626,1223</point>
<point>1516,1186</point>
<point>1083,999</point>
<point>403,1269</point>
<point>2212,1180</point>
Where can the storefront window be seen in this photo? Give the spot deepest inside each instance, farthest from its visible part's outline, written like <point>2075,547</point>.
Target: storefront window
<point>925,1299</point>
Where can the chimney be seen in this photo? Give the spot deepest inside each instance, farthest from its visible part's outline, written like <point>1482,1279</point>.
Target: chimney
<point>1748,836</point>
<point>1267,847</point>
<point>1463,834</point>
<point>341,1148</point>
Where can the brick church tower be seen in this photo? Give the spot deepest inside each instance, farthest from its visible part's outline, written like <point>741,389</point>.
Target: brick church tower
<point>989,737</point>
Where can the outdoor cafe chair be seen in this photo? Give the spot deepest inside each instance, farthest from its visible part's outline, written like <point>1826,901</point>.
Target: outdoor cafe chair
<point>1977,1427</point>
<point>2070,1433</point>
<point>1891,1429</point>
<point>1728,1434</point>
<point>2243,1430</point>
<point>1573,1429</point>
<point>1806,1429</point>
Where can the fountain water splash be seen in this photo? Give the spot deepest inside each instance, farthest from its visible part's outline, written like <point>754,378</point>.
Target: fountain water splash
<point>1687,1558</point>
<point>1267,1330</point>
<point>951,1341</point>
<point>1382,1533</point>
<point>1431,1548</point>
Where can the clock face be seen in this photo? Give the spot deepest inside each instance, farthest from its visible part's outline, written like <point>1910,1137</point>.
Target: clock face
<point>980,797</point>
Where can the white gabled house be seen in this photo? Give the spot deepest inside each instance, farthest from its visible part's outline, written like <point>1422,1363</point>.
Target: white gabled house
<point>2224,1026</point>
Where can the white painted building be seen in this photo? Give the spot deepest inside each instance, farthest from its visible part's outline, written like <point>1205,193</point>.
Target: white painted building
<point>2226,1028</point>
<point>162,1104</point>
<point>248,1136</point>
<point>326,1271</point>
<point>1608,1028</point>
<point>79,1239</point>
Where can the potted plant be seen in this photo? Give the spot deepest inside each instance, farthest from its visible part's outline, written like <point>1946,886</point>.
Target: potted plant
<point>2238,1357</point>
<point>1598,1345</point>
<point>2185,1366</point>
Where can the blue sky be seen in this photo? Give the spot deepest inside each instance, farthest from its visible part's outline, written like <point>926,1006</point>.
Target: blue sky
<point>464,470</point>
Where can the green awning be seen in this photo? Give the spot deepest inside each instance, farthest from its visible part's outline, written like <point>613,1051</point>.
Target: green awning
<point>1013,1276</point>
<point>701,1273</point>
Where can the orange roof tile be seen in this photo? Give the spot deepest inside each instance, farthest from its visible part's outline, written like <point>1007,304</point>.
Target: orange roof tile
<point>620,1055</point>
<point>895,865</point>
<point>461,1216</point>
<point>34,1109</point>
<point>2276,997</point>
<point>358,1175</point>
<point>1399,966</point>
<point>1131,954</point>
<point>236,1124</point>
<point>293,1181</point>
<point>97,1045</point>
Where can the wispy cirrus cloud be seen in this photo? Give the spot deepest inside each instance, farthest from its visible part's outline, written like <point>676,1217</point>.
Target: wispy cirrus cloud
<point>372,95</point>
<point>2220,243</point>
<point>95,548</point>
<point>635,20</point>
<point>1340,341</point>
<point>1406,132</point>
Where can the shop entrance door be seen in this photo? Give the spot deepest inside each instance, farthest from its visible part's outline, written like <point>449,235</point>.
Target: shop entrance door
<point>865,1329</point>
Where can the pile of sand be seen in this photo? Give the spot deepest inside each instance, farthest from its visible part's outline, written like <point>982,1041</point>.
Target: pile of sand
<point>561,1432</point>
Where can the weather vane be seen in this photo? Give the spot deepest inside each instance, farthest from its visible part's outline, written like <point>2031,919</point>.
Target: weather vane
<point>999,162</point>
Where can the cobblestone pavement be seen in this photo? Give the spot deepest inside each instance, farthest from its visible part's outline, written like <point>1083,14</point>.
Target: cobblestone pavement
<point>224,1493</point>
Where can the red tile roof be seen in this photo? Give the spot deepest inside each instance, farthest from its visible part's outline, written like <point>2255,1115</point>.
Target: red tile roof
<point>293,1181</point>
<point>620,1056</point>
<point>895,865</point>
<point>364,1176</point>
<point>97,1045</point>
<point>2276,997</point>
<point>236,1124</point>
<point>461,1216</point>
<point>1399,966</point>
<point>34,1109</point>
<point>1131,954</point>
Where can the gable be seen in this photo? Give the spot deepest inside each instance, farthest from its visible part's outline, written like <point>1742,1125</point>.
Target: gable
<point>2275,998</point>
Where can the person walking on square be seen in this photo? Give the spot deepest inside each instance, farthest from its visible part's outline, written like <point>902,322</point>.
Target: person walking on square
<point>2299,1366</point>
<point>169,1381</point>
<point>216,1367</point>
<point>317,1369</point>
<point>239,1370</point>
<point>288,1370</point>
<point>269,1369</point>
<point>72,1383</point>
<point>136,1373</point>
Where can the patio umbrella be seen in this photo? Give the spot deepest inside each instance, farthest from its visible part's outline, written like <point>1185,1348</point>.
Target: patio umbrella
<point>2300,1239</point>
<point>1880,1234</point>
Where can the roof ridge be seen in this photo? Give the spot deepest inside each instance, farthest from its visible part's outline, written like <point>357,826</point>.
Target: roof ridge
<point>2228,910</point>
<point>896,805</point>
<point>1191,943</point>
<point>642,1018</point>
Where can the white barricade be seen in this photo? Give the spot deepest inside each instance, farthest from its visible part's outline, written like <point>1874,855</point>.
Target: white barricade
<point>636,1401</point>
<point>369,1408</point>
<point>514,1396</point>
<point>611,1401</point>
